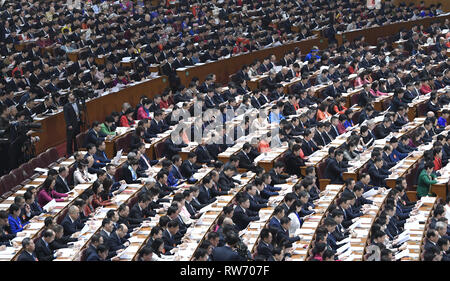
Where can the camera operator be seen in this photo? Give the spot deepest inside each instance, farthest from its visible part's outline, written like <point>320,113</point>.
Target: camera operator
<point>4,137</point>
<point>72,113</point>
<point>21,142</point>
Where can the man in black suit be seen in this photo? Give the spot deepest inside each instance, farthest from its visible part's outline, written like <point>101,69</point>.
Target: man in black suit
<point>377,175</point>
<point>42,249</point>
<point>335,168</point>
<point>245,161</point>
<point>256,202</point>
<point>169,235</point>
<point>276,173</point>
<point>227,253</point>
<point>157,125</point>
<point>284,233</point>
<point>117,242</point>
<point>61,184</point>
<point>189,168</point>
<point>265,246</point>
<point>203,155</point>
<point>205,197</point>
<point>138,212</point>
<point>72,118</point>
<point>225,178</point>
<point>71,222</point>
<point>242,216</point>
<point>294,161</point>
<point>382,130</point>
<point>28,253</point>
<point>308,146</point>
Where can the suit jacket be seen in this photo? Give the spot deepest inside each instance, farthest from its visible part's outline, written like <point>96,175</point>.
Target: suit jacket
<point>92,137</point>
<point>264,249</point>
<point>115,243</point>
<point>243,217</point>
<point>137,216</point>
<point>127,176</point>
<point>225,253</point>
<point>71,227</point>
<point>61,185</point>
<point>334,171</point>
<point>225,182</point>
<point>205,197</point>
<point>377,176</point>
<point>188,169</point>
<point>169,241</point>
<point>70,115</point>
<point>25,256</point>
<point>203,155</point>
<point>43,252</point>
<point>381,131</point>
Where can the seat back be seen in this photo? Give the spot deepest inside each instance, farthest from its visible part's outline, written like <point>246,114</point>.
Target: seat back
<point>355,98</point>
<point>159,150</point>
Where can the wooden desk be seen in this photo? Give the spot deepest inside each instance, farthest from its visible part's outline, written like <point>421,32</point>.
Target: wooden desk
<point>53,127</point>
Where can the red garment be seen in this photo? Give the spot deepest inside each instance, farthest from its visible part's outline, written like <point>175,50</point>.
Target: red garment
<point>341,128</point>
<point>425,89</point>
<point>98,201</point>
<point>124,122</point>
<point>164,104</point>
<point>437,163</point>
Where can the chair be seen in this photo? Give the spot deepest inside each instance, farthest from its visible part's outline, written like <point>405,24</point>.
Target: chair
<point>422,109</point>
<point>54,156</point>
<point>323,182</point>
<point>354,99</point>
<point>80,139</point>
<point>159,150</point>
<point>119,174</point>
<point>19,174</point>
<point>9,181</point>
<point>7,194</point>
<point>355,117</point>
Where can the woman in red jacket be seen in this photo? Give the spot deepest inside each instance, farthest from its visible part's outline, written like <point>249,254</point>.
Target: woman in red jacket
<point>127,119</point>
<point>437,153</point>
<point>97,199</point>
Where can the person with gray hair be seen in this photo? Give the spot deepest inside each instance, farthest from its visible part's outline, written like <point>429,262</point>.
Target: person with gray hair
<point>441,228</point>
<point>28,253</point>
<point>72,223</point>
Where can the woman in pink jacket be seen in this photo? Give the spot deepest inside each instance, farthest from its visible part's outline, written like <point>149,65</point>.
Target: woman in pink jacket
<point>47,193</point>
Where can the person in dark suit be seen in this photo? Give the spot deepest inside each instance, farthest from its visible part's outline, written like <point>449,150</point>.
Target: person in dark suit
<point>225,178</point>
<point>276,173</point>
<point>172,148</point>
<point>42,249</point>
<point>431,241</point>
<point>382,130</point>
<point>189,168</point>
<point>226,253</point>
<point>157,125</point>
<point>129,172</point>
<point>139,213</point>
<point>72,117</point>
<point>101,254</point>
<point>117,241</point>
<point>205,197</point>
<point>265,246</point>
<point>308,145</point>
<point>245,161</point>
<point>61,184</point>
<point>335,168</point>
<point>283,234</point>
<point>242,216</point>
<point>71,223</point>
<point>294,161</point>
<point>256,202</point>
<point>93,135</point>
<point>28,253</point>
<point>377,175</point>
<point>203,155</point>
<point>169,235</point>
